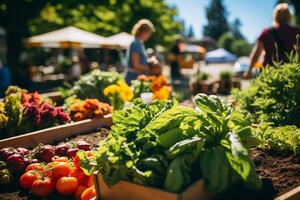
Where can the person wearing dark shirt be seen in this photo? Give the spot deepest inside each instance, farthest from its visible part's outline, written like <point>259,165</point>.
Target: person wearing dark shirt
<point>175,71</point>
<point>275,41</point>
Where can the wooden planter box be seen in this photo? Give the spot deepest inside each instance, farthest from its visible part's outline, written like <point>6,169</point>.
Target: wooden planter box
<point>206,87</point>
<point>130,191</point>
<point>57,133</point>
<point>294,194</point>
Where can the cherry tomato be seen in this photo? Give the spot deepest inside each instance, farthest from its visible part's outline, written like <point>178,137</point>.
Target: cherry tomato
<point>61,169</point>
<point>42,187</point>
<point>89,193</point>
<point>67,185</point>
<point>28,178</point>
<point>35,166</point>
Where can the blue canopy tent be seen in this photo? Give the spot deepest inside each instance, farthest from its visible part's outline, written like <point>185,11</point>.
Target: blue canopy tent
<point>219,56</point>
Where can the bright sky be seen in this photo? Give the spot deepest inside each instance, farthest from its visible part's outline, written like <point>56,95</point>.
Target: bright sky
<point>254,14</point>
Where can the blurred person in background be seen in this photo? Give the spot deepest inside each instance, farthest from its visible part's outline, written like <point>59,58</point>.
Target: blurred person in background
<point>4,79</point>
<point>275,41</point>
<point>175,52</point>
<point>136,54</point>
<point>76,69</point>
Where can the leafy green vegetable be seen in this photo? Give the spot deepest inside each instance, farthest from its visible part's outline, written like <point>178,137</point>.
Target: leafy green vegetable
<point>169,146</point>
<point>274,96</point>
<point>283,138</point>
<point>91,85</point>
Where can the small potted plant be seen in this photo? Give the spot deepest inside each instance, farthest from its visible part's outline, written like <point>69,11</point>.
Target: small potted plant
<point>202,85</point>
<point>225,83</point>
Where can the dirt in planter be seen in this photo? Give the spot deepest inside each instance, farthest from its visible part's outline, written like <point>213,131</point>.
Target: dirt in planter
<point>279,172</point>
<point>14,192</point>
<point>283,169</point>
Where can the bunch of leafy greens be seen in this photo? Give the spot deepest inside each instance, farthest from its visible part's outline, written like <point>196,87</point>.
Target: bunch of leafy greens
<point>274,96</point>
<point>169,146</point>
<point>283,138</point>
<point>91,85</point>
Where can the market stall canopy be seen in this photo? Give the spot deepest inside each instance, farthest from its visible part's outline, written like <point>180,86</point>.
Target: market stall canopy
<point>69,37</point>
<point>192,48</point>
<point>220,55</point>
<point>120,40</point>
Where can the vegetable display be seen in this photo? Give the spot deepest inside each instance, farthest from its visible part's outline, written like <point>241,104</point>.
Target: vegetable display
<point>155,84</point>
<point>168,146</point>
<point>274,96</point>
<point>91,85</point>
<point>47,169</point>
<point>22,112</point>
<point>87,109</point>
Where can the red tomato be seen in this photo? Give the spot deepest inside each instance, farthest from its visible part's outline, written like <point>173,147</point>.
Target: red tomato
<point>35,166</point>
<point>90,181</point>
<point>61,169</point>
<point>42,187</point>
<point>89,193</point>
<point>60,159</point>
<point>67,185</point>
<point>28,178</point>
<point>79,191</point>
<point>80,176</point>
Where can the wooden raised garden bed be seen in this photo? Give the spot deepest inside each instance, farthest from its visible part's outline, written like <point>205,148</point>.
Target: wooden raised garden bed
<point>130,191</point>
<point>57,133</point>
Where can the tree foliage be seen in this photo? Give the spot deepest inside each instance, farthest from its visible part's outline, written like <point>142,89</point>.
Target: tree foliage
<point>109,17</point>
<point>23,18</point>
<point>217,23</point>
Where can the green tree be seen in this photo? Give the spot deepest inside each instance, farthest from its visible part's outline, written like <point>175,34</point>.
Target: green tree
<point>226,41</point>
<point>190,32</point>
<point>217,23</point>
<point>236,29</point>
<point>241,47</point>
<point>110,17</point>
<point>23,18</point>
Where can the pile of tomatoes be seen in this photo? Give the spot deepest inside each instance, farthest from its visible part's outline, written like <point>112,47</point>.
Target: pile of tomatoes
<point>62,175</point>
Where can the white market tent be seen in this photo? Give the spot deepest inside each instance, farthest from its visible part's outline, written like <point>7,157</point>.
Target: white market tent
<point>121,40</point>
<point>220,55</point>
<point>69,37</point>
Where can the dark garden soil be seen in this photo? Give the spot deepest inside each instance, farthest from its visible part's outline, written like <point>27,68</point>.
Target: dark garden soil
<point>280,173</point>
<point>13,192</point>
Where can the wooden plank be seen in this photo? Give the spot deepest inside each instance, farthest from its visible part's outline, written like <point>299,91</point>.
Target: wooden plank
<point>57,133</point>
<point>126,190</point>
<point>293,194</point>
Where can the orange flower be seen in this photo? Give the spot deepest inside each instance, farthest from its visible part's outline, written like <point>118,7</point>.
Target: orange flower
<point>142,78</point>
<point>162,94</point>
<point>89,108</point>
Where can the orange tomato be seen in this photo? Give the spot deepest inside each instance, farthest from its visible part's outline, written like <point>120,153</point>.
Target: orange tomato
<point>61,169</point>
<point>79,191</point>
<point>42,187</point>
<point>35,166</point>
<point>89,193</point>
<point>28,178</point>
<point>60,159</point>
<point>67,185</point>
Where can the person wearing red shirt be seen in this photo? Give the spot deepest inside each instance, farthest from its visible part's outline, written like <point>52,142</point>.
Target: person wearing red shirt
<point>276,41</point>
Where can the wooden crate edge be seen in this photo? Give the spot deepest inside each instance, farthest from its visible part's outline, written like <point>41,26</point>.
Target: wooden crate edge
<point>29,140</point>
<point>293,194</point>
